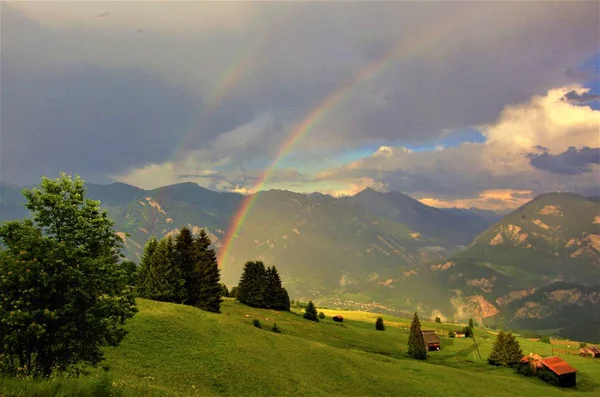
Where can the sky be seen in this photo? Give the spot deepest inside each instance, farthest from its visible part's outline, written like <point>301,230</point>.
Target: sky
<point>483,104</point>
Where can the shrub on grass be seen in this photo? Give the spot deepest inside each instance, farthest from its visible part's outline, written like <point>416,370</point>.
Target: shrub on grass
<point>438,320</point>
<point>582,345</point>
<point>379,324</point>
<point>321,315</point>
<point>275,328</point>
<point>451,334</point>
<point>256,323</point>
<point>545,339</point>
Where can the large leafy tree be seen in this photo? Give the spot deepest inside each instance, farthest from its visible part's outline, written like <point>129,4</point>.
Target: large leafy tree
<point>208,275</point>
<point>416,342</point>
<point>63,292</point>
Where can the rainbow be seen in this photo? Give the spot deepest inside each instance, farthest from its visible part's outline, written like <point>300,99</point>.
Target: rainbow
<point>336,98</point>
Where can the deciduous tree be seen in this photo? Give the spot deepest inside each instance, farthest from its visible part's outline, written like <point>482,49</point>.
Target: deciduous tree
<point>63,293</point>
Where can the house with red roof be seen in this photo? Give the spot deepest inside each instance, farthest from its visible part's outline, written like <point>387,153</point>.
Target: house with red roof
<point>553,370</point>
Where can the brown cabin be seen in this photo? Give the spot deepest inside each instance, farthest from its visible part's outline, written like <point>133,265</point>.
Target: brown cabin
<point>432,341</point>
<point>338,319</point>
<point>590,351</point>
<point>553,370</point>
<point>459,334</point>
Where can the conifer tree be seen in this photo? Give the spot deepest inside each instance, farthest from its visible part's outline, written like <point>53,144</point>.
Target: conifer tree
<point>471,323</point>
<point>506,350</point>
<point>251,288</point>
<point>310,313</point>
<point>208,273</point>
<point>284,300</point>
<point>276,297</point>
<point>498,348</point>
<point>416,343</point>
<point>184,258</point>
<point>224,290</point>
<point>514,354</point>
<point>379,324</point>
<point>144,270</point>
<point>165,281</point>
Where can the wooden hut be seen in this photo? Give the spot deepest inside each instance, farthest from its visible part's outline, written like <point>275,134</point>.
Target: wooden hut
<point>553,370</point>
<point>590,351</point>
<point>459,334</point>
<point>432,341</point>
<point>558,372</point>
<point>338,319</point>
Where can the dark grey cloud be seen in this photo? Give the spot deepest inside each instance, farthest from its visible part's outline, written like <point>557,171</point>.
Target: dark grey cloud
<point>93,96</point>
<point>573,161</point>
<point>575,98</point>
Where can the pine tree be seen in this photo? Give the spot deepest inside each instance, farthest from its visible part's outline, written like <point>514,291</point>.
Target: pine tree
<point>251,288</point>
<point>506,350</point>
<point>276,297</point>
<point>209,297</point>
<point>379,324</point>
<point>142,274</point>
<point>284,300</point>
<point>514,354</point>
<point>184,258</point>
<point>416,343</point>
<point>165,281</point>
<point>497,348</point>
<point>471,323</point>
<point>310,313</point>
<point>224,290</point>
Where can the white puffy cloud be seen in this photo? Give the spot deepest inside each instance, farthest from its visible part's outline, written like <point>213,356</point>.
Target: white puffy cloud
<point>498,172</point>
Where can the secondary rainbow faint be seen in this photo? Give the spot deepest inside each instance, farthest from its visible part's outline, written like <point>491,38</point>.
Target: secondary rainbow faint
<point>226,81</point>
<point>336,98</point>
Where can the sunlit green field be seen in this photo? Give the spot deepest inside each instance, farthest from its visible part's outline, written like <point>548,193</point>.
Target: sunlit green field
<point>179,350</point>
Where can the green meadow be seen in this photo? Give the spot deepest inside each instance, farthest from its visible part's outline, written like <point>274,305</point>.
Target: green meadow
<point>180,350</point>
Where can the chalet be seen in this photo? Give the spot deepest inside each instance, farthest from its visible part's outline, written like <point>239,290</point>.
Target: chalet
<point>459,334</point>
<point>432,341</point>
<point>553,370</point>
<point>590,351</point>
<point>338,319</point>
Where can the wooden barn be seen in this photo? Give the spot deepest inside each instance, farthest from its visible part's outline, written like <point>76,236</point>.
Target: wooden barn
<point>459,334</point>
<point>553,370</point>
<point>590,351</point>
<point>338,319</point>
<point>432,341</point>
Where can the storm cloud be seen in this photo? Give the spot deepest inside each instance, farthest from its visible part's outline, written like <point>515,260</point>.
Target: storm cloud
<point>573,161</point>
<point>159,93</point>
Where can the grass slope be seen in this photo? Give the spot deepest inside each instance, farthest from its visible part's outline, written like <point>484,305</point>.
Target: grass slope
<point>180,350</point>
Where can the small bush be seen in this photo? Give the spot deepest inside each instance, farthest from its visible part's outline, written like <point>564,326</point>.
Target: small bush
<point>275,328</point>
<point>545,339</point>
<point>379,324</point>
<point>525,370</point>
<point>256,323</point>
<point>451,334</point>
<point>582,345</point>
<point>321,315</point>
<point>438,320</point>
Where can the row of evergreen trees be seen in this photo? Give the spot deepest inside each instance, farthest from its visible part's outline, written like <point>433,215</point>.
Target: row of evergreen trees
<point>181,270</point>
<point>260,286</point>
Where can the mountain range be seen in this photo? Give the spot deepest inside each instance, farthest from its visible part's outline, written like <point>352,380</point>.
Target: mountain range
<point>384,251</point>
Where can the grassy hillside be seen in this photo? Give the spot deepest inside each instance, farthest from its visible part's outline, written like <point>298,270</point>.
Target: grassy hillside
<point>179,350</point>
